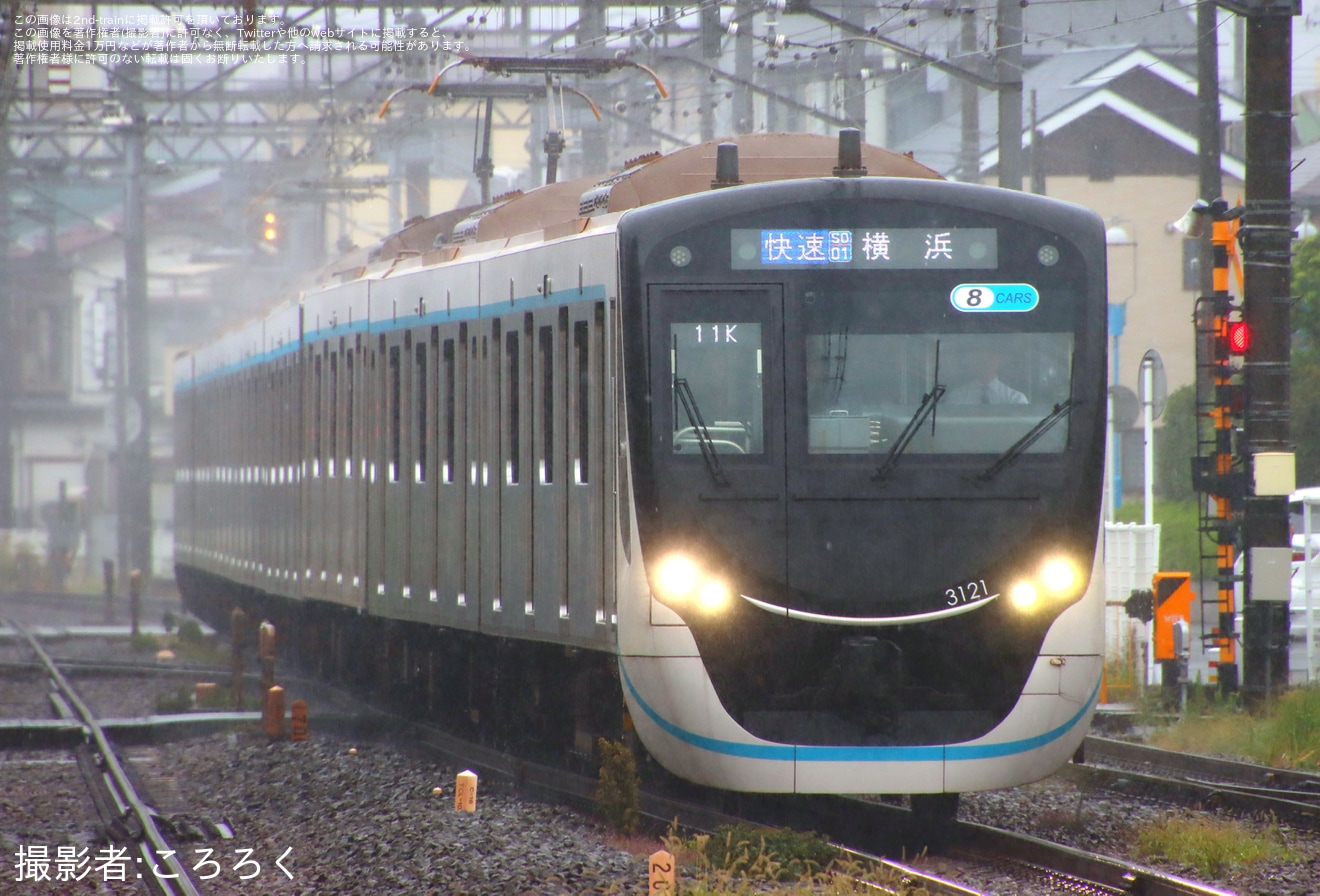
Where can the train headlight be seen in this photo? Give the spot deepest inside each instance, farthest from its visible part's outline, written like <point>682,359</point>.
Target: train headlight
<point>1059,576</point>
<point>676,577</point>
<point>714,595</point>
<point>1023,595</point>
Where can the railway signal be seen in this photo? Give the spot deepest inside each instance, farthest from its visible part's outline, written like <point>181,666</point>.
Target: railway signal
<point>271,233</point>
<point>1217,471</point>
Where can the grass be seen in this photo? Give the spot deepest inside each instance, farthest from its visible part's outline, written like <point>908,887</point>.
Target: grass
<point>1211,846</point>
<point>746,861</point>
<point>1285,733</point>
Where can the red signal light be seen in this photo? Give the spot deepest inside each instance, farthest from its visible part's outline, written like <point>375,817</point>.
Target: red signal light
<point>1239,337</point>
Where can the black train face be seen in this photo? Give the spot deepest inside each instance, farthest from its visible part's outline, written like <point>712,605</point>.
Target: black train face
<point>765,404</point>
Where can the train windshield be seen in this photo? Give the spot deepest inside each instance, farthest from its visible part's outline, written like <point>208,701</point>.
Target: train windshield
<point>863,388</point>
<point>717,370</point>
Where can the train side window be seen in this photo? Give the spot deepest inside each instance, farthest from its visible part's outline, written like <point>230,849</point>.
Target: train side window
<point>582,365</point>
<point>394,419</point>
<point>333,454</point>
<point>316,417</point>
<point>422,399</point>
<point>349,365</point>
<point>447,471</point>
<point>513,359</point>
<point>717,371</point>
<point>546,351</point>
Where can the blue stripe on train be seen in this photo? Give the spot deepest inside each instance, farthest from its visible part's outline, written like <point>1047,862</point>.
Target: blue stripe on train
<point>785,752</point>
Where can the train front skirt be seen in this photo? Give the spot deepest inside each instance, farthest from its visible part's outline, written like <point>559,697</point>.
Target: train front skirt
<point>684,726</point>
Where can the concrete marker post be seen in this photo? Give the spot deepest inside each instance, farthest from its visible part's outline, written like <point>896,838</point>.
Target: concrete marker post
<point>465,792</point>
<point>662,872</point>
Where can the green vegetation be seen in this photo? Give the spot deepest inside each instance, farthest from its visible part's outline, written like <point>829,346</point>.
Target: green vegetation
<point>1210,845</point>
<point>143,643</point>
<point>1285,733</point>
<point>618,795</point>
<point>179,700</point>
<point>1175,446</point>
<point>743,860</point>
<point>1180,547</point>
<point>190,632</point>
<point>765,853</point>
<point>1305,422</point>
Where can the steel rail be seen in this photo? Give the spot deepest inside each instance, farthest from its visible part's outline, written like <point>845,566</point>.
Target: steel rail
<point>1242,787</point>
<point>1200,766</point>
<point>1114,875</point>
<point>155,850</point>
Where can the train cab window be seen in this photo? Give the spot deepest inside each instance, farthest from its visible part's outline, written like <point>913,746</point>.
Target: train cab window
<point>717,370</point>
<point>863,389</point>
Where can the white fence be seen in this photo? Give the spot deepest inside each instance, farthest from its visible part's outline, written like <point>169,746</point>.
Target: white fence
<point>1132,557</point>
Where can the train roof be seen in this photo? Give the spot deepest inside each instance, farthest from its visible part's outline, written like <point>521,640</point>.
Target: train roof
<point>561,209</point>
<point>655,177</point>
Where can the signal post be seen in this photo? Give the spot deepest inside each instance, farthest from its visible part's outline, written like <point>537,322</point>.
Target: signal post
<point>1267,233</point>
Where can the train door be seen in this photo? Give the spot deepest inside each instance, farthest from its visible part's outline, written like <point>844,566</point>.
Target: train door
<point>549,447</point>
<point>421,584</point>
<point>590,563</point>
<point>394,575</point>
<point>354,505</point>
<point>475,349</point>
<point>515,480</point>
<point>373,450</point>
<point>451,519</point>
<point>717,418</point>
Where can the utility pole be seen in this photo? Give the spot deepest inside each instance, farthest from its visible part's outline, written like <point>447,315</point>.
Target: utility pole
<point>8,349</point>
<point>1009,69</point>
<point>135,463</point>
<point>1267,289</point>
<point>969,153</point>
<point>744,115</point>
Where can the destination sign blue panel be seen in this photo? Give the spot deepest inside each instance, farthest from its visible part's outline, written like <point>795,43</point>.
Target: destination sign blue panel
<point>898,248</point>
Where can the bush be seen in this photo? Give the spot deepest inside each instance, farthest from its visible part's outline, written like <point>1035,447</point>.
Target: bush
<point>175,702</point>
<point>770,853</point>
<point>618,795</point>
<point>190,632</point>
<point>143,643</point>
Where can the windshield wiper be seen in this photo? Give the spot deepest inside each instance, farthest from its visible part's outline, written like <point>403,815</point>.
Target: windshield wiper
<point>1021,445</point>
<point>928,402</point>
<point>698,425</point>
<point>927,407</point>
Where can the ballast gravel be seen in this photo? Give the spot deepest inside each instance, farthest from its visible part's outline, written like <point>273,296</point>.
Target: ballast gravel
<point>364,819</point>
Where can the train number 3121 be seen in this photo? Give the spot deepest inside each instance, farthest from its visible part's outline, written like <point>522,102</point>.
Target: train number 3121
<point>966,593</point>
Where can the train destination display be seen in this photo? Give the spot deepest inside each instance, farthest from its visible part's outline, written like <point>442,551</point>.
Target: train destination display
<point>894,248</point>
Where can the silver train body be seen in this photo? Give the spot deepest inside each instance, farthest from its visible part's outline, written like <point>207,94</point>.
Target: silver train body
<point>492,433</point>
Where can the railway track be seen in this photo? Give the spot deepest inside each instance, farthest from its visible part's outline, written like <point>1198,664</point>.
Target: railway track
<point>869,829</point>
<point>126,817</point>
<point>1211,782</point>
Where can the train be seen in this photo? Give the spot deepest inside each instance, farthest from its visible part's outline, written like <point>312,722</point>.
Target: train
<point>781,455</point>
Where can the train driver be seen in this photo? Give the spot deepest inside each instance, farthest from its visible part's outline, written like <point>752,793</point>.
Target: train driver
<point>983,385</point>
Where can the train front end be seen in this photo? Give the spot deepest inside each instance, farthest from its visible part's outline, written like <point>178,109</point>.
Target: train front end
<point>866,423</point>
